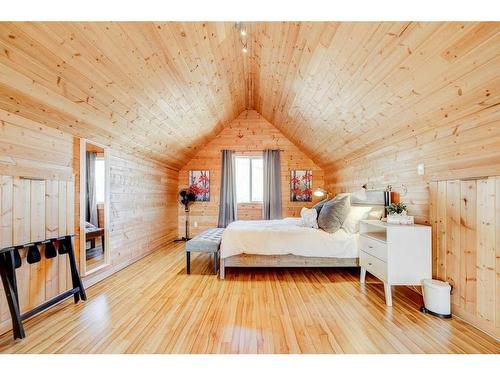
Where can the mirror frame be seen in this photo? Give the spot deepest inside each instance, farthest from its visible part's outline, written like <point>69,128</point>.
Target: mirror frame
<point>83,182</point>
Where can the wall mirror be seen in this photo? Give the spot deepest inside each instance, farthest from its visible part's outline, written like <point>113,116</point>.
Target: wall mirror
<point>94,207</point>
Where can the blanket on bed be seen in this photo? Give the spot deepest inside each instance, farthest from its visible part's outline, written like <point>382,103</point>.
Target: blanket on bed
<point>286,236</point>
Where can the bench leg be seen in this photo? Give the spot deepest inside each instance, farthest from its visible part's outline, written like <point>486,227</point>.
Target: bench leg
<point>188,262</point>
<point>215,262</point>
<point>222,270</point>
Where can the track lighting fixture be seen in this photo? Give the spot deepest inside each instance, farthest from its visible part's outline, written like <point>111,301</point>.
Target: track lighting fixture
<point>242,36</point>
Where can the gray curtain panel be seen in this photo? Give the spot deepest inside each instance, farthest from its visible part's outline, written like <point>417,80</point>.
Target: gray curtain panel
<point>227,205</point>
<point>91,209</point>
<point>271,208</point>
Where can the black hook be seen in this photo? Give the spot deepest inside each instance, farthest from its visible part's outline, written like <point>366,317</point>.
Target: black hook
<point>64,245</point>
<point>33,254</point>
<point>17,258</point>
<point>50,250</point>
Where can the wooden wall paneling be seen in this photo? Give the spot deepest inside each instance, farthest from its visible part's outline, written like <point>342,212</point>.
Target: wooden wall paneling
<point>37,211</point>
<point>497,246</point>
<point>453,235</point>
<point>37,230</point>
<point>6,211</point>
<point>70,204</point>
<point>6,215</point>
<point>70,226</point>
<point>486,261</point>
<point>62,260</point>
<point>469,262</point>
<point>441,230</point>
<point>22,211</point>
<point>51,209</point>
<point>433,218</point>
<point>22,235</point>
<point>51,231</point>
<point>468,245</point>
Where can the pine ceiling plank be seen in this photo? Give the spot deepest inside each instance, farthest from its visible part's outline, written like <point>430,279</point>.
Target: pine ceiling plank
<point>338,90</point>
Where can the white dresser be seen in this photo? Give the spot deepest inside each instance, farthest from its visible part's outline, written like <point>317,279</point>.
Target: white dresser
<point>396,254</point>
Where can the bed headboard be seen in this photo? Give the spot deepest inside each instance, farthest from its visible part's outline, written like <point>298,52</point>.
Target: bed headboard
<point>373,198</point>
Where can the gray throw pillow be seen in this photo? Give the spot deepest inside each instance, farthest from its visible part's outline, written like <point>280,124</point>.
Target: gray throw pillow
<point>333,214</point>
<point>318,206</point>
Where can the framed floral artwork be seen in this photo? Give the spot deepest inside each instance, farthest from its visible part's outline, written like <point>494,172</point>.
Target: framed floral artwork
<point>199,183</point>
<point>301,186</point>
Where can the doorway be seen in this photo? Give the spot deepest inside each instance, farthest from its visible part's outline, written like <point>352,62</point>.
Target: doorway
<point>94,207</point>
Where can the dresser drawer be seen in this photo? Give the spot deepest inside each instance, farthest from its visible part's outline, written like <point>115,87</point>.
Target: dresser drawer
<point>373,265</point>
<point>376,248</point>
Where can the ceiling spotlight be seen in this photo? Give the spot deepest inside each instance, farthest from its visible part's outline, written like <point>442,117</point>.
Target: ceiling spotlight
<point>244,50</point>
<point>243,32</point>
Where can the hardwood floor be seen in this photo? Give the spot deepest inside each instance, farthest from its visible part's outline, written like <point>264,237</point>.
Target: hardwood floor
<point>154,307</point>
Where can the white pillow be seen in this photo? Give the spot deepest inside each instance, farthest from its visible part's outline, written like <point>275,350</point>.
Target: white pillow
<point>309,217</point>
<point>355,215</point>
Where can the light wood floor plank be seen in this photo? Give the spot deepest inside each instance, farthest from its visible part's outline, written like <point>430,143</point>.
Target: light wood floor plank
<point>154,307</point>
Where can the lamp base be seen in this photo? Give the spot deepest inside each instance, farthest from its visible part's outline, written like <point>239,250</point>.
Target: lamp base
<point>182,239</point>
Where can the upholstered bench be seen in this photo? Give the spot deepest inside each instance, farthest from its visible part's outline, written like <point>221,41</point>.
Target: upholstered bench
<point>206,242</point>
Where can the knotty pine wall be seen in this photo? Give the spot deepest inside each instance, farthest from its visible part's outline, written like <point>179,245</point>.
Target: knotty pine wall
<point>465,148</point>
<point>143,205</point>
<point>248,134</point>
<point>465,217</point>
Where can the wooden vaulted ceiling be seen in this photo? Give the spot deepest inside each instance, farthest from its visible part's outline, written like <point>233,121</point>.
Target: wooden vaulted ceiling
<point>337,90</point>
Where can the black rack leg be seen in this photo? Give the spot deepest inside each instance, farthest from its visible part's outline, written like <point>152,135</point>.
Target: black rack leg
<point>75,276</point>
<point>8,275</point>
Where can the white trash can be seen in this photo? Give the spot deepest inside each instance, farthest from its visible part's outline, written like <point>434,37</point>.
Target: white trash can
<point>437,299</point>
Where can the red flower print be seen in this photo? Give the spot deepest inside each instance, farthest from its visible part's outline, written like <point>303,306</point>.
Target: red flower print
<point>307,177</point>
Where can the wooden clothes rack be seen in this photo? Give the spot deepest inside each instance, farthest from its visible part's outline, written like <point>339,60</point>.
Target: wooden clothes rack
<point>8,275</point>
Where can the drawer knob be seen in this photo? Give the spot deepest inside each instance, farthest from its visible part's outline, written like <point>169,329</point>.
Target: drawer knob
<point>369,264</point>
<point>371,247</point>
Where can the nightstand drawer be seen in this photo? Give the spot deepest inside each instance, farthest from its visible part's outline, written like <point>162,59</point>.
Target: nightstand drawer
<point>376,248</point>
<point>373,265</point>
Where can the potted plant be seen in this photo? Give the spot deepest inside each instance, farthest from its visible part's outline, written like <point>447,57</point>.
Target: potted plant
<point>396,214</point>
<point>397,209</point>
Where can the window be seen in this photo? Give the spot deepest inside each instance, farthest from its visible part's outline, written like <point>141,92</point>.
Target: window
<point>249,179</point>
<point>99,180</point>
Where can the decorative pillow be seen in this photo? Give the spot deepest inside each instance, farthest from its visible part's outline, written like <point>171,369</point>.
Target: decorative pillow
<point>355,215</point>
<point>309,216</point>
<point>333,214</point>
<point>318,206</point>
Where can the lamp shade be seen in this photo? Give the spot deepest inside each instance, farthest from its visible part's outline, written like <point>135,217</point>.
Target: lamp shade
<point>319,192</point>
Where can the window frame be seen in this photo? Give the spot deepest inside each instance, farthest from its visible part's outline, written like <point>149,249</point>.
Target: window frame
<point>251,158</point>
<point>103,160</point>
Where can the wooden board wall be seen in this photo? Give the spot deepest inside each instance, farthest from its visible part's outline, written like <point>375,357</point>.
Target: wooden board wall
<point>248,134</point>
<point>465,216</point>
<point>467,147</point>
<point>32,211</point>
<point>143,204</point>
<point>143,209</point>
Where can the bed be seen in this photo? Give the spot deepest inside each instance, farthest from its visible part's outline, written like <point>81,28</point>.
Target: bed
<point>286,243</point>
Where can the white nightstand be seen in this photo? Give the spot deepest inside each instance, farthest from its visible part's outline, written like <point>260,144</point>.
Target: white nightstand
<point>396,254</point>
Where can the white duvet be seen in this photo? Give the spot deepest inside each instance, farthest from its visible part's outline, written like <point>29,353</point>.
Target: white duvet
<point>287,236</point>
